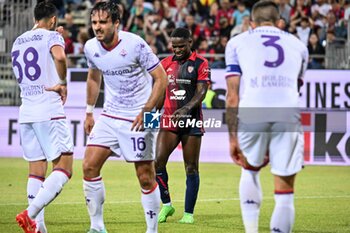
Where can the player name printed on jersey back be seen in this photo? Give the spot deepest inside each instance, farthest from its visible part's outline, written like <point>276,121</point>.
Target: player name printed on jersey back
<point>35,69</point>
<point>269,78</point>
<point>128,83</point>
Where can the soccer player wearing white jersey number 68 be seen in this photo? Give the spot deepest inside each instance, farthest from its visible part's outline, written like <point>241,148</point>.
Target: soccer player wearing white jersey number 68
<point>39,63</point>
<point>264,71</point>
<point>128,66</point>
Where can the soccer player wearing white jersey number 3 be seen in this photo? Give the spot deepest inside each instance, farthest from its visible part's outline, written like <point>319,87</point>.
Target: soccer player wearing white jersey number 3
<point>127,65</point>
<point>39,63</point>
<point>264,72</point>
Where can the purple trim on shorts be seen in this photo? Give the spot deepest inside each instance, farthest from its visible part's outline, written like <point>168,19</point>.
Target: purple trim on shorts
<point>105,147</point>
<point>42,179</point>
<point>118,118</point>
<point>138,161</point>
<point>67,153</point>
<point>58,118</point>
<point>69,175</point>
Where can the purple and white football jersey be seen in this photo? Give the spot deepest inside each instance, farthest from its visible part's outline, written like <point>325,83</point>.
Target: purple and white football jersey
<point>125,69</point>
<point>35,69</point>
<point>270,62</point>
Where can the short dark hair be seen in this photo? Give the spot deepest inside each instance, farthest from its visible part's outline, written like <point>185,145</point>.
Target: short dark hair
<point>44,10</point>
<point>265,11</point>
<point>181,33</point>
<point>110,7</point>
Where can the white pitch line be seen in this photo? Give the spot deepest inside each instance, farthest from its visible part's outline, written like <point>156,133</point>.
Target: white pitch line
<point>200,200</point>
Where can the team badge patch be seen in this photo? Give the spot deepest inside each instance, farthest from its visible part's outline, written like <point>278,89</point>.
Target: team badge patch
<point>123,52</point>
<point>190,69</point>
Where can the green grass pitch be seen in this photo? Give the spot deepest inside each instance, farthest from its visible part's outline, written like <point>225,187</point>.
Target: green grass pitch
<point>322,200</point>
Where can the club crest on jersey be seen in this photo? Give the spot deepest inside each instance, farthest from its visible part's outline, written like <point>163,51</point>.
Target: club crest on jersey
<point>123,52</point>
<point>190,69</point>
<point>96,55</point>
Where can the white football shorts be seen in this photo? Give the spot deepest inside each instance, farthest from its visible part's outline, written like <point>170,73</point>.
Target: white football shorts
<point>115,134</point>
<point>46,140</point>
<point>284,143</point>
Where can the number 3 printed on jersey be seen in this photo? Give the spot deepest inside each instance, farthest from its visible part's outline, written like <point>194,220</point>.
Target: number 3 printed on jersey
<point>280,53</point>
<point>31,68</point>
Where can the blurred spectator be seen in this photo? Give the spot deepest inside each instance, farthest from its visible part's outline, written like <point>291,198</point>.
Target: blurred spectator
<point>158,7</point>
<point>71,26</point>
<point>213,12</point>
<point>190,24</point>
<point>219,48</point>
<point>337,9</point>
<point>224,27</point>
<point>138,8</point>
<point>166,36</point>
<point>244,26</point>
<point>315,48</point>
<point>156,45</point>
<point>298,11</point>
<point>138,26</point>
<point>304,30</point>
<point>204,49</point>
<point>202,32</point>
<point>337,28</point>
<point>282,24</point>
<point>238,14</point>
<point>319,9</point>
<point>124,15</point>
<point>178,13</point>
<point>83,37</point>
<point>347,10</point>
<point>68,42</point>
<point>285,9</point>
<point>225,11</point>
<point>203,6</point>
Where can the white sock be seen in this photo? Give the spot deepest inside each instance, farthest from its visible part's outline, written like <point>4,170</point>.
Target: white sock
<point>282,219</point>
<point>94,191</point>
<point>151,205</point>
<point>33,187</point>
<point>50,189</point>
<point>250,194</point>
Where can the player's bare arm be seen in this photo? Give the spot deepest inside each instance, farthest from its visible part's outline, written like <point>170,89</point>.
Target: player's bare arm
<point>160,82</point>
<point>201,91</point>
<point>61,67</point>
<point>93,84</point>
<point>232,100</point>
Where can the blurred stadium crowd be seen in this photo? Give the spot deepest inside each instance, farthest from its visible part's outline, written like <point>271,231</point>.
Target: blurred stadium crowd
<point>212,22</point>
<point>320,24</point>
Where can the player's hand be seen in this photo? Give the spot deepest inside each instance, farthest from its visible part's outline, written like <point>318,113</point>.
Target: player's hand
<point>60,30</point>
<point>236,152</point>
<point>137,124</point>
<point>61,90</point>
<point>180,113</point>
<point>89,123</point>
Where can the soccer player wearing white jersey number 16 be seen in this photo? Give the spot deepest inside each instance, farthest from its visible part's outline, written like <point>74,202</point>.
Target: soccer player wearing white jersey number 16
<point>265,67</point>
<point>39,63</point>
<point>128,66</point>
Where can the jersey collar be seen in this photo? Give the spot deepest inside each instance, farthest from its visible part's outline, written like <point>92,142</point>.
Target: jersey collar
<point>192,57</point>
<point>111,48</point>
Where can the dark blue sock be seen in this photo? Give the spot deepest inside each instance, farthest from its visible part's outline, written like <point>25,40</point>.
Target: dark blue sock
<point>162,180</point>
<point>192,187</point>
